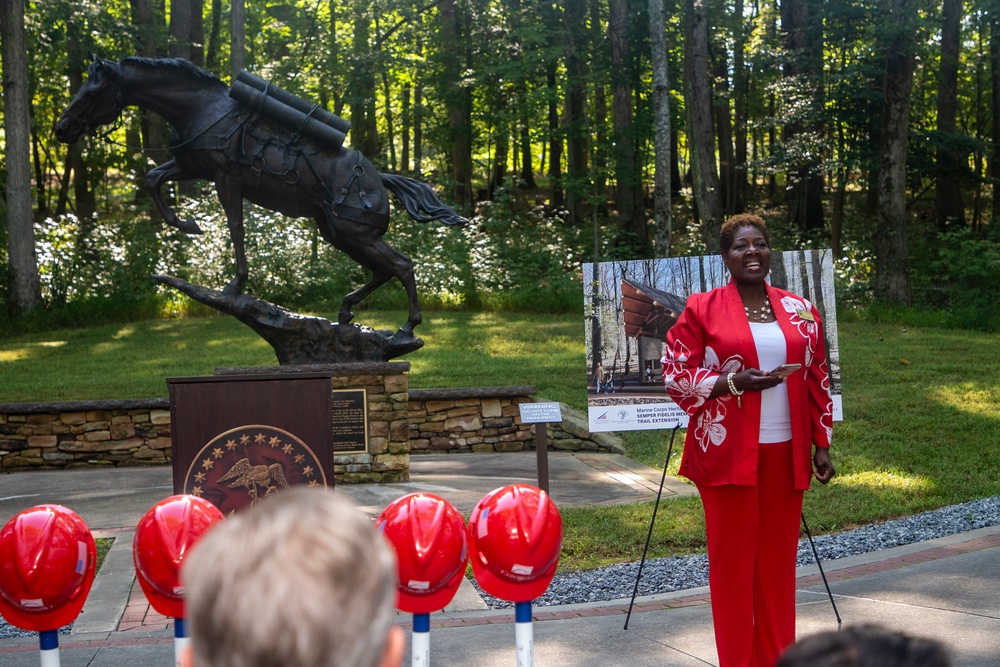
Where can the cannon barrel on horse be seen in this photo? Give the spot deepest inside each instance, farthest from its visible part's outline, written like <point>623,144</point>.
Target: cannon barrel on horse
<point>295,167</point>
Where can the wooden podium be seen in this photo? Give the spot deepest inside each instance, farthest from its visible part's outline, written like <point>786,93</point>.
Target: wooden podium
<point>238,439</point>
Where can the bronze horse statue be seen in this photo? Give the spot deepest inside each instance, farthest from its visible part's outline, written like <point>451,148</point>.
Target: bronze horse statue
<point>247,155</point>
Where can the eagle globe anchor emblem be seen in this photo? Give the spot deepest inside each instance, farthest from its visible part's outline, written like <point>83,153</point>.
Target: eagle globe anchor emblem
<point>251,463</point>
<point>251,476</point>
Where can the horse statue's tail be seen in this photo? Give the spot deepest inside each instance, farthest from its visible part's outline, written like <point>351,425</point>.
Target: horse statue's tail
<point>420,201</point>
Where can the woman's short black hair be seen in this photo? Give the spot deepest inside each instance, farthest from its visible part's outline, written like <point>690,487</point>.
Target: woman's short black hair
<point>730,226</point>
<point>865,646</point>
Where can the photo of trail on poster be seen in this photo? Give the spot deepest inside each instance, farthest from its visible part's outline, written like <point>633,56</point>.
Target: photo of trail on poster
<point>630,305</point>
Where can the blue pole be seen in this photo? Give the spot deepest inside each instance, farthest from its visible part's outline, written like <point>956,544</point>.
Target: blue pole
<point>48,644</point>
<point>420,646</point>
<point>524,637</point>
<point>181,639</point>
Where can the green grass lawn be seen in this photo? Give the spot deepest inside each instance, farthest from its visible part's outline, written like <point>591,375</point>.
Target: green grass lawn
<point>103,545</point>
<point>131,360</point>
<point>920,431</point>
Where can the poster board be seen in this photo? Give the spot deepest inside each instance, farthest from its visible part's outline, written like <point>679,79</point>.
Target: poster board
<point>630,305</point>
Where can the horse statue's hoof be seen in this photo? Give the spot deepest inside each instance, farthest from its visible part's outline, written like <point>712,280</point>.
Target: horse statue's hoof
<point>404,335</point>
<point>345,317</point>
<point>403,342</point>
<point>190,226</point>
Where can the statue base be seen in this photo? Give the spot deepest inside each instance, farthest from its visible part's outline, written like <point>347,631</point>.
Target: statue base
<point>381,453</point>
<point>299,339</point>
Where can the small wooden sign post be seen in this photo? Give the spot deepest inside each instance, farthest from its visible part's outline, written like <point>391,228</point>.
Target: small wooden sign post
<point>541,414</point>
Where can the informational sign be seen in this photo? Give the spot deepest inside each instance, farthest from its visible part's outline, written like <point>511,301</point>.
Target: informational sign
<point>350,421</point>
<point>540,413</point>
<point>629,307</point>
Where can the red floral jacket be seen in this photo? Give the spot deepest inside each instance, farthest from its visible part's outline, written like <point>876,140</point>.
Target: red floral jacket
<point>712,338</point>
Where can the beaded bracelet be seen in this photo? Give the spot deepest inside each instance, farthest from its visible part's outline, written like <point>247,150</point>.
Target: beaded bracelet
<point>734,391</point>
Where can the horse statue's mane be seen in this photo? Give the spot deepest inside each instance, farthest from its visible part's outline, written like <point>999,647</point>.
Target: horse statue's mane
<point>186,67</point>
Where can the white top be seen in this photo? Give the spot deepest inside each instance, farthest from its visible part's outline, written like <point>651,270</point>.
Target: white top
<point>775,413</point>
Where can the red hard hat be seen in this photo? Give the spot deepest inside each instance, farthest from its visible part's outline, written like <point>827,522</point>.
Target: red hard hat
<point>515,534</point>
<point>432,549</point>
<point>163,538</point>
<point>47,564</point>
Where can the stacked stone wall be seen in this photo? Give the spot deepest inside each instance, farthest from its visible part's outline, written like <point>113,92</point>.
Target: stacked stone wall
<point>400,423</point>
<point>84,434</point>
<point>488,419</point>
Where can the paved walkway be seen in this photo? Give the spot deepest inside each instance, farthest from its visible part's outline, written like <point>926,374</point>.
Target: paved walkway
<point>947,588</point>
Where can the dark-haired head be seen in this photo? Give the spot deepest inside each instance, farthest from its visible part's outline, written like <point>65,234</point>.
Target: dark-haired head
<point>864,646</point>
<point>729,227</point>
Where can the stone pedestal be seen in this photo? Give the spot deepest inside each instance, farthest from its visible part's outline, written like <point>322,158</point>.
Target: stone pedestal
<point>386,397</point>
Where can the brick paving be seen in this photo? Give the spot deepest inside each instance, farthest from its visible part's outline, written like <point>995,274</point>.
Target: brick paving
<point>140,615</point>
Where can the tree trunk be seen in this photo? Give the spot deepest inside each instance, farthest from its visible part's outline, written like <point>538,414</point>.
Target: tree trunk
<point>197,33</point>
<point>723,129</point>
<point>676,181</point>
<point>23,286</point>
<point>333,79</point>
<point>740,92</point>
<point>839,199</point>
<point>526,179</point>
<point>498,173</point>
<point>361,93</point>
<point>418,129</point>
<point>948,205</point>
<point>457,106</point>
<point>892,275</point>
<point>556,198</point>
<point>143,20</point>
<point>802,22</point>
<point>405,112</point>
<point>995,104</point>
<point>599,144</point>
<point>42,194</point>
<point>700,138</point>
<point>390,121</point>
<point>181,23</point>
<point>83,195</point>
<point>628,179</point>
<point>418,114</point>
<point>152,127</point>
<point>237,37</point>
<point>661,119</point>
<point>578,182</point>
<point>214,35</point>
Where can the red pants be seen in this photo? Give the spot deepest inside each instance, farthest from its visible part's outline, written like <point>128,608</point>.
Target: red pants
<point>753,535</point>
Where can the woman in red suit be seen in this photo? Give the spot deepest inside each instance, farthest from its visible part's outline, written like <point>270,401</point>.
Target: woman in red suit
<point>757,436</point>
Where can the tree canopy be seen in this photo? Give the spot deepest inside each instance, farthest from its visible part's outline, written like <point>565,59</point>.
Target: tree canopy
<point>867,126</point>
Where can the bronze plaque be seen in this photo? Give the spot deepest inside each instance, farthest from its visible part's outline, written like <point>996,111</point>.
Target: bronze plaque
<point>238,439</point>
<point>350,421</point>
<point>249,463</point>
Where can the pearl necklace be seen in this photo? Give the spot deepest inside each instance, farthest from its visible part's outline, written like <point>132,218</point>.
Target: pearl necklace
<point>759,316</point>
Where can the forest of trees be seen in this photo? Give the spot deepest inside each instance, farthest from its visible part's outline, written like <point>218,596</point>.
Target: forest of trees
<point>573,131</point>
